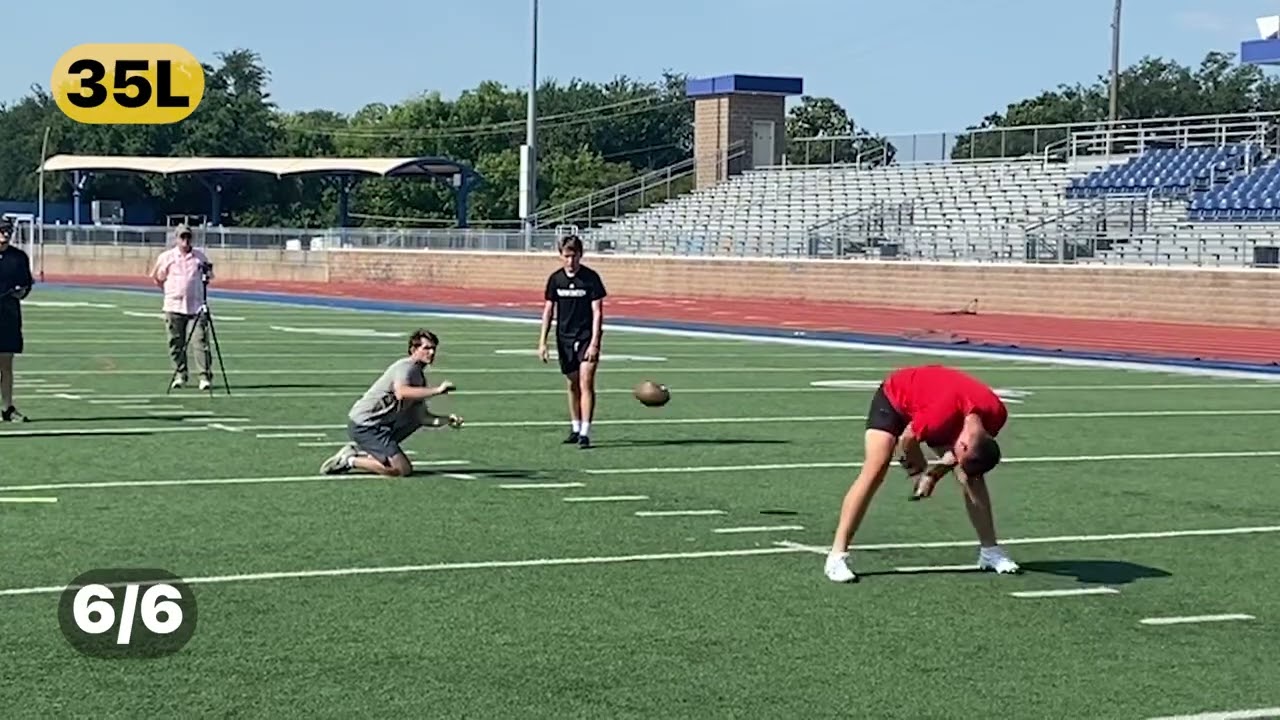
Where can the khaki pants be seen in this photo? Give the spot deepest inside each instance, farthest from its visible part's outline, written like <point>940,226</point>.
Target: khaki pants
<point>179,325</point>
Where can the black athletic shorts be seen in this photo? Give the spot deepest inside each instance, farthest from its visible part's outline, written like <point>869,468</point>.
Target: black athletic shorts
<point>884,416</point>
<point>10,335</point>
<point>569,351</point>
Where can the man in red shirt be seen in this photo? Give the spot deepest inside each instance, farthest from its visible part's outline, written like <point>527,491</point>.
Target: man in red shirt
<point>958,417</point>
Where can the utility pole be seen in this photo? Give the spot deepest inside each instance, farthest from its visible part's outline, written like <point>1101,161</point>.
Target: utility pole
<point>529,154</point>
<point>1115,62</point>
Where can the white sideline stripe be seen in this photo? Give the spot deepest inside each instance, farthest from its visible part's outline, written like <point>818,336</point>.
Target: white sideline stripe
<point>458,476</point>
<point>676,513</point>
<point>1273,712</point>
<point>1195,619</point>
<point>745,390</point>
<point>796,339</point>
<point>756,528</point>
<point>538,368</point>
<point>28,500</point>
<point>402,569</point>
<point>540,486</point>
<point>605,498</point>
<point>846,464</point>
<point>1065,593</point>
<point>1112,537</point>
<point>935,568</point>
<point>282,435</point>
<point>100,431</point>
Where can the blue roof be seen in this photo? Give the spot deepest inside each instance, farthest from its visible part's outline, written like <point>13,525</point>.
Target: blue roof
<point>731,84</point>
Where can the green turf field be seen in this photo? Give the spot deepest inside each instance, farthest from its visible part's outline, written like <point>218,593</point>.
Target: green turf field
<point>517,577</point>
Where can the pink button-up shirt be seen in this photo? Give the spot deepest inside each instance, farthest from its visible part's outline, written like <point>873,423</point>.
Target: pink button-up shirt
<point>179,275</point>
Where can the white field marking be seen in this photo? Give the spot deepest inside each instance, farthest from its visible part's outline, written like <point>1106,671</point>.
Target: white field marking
<point>282,435</point>
<point>220,426</point>
<point>47,387</point>
<point>460,476</point>
<point>605,498</point>
<point>99,431</point>
<point>1227,617</point>
<point>729,390</point>
<point>66,396</point>
<point>215,419</point>
<point>339,332</point>
<point>1273,712</point>
<point>436,567</point>
<point>114,402</point>
<point>64,304</point>
<point>17,500</point>
<point>538,368</point>
<point>179,412</point>
<point>1112,537</point>
<point>839,464</point>
<point>603,356</point>
<point>152,315</point>
<point>540,486</point>
<point>756,528</point>
<point>935,568</point>
<point>676,513</point>
<point>150,407</point>
<point>1069,592</point>
<point>799,339</point>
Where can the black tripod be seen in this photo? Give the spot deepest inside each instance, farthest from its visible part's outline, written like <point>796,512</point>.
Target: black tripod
<point>203,315</point>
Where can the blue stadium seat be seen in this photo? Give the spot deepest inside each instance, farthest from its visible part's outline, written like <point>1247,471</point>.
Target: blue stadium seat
<point>1168,171</point>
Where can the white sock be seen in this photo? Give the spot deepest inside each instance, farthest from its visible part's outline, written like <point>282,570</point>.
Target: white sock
<point>586,428</point>
<point>577,426</point>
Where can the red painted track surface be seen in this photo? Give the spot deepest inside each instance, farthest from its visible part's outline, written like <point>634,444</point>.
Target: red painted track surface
<point>1172,340</point>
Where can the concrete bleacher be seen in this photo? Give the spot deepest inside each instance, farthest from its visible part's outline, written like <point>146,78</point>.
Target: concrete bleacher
<point>927,210</point>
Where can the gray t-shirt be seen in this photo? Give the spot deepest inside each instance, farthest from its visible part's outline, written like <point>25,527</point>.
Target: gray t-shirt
<point>379,406</point>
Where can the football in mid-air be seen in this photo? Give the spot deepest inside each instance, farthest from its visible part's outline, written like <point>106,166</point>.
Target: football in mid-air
<point>652,394</point>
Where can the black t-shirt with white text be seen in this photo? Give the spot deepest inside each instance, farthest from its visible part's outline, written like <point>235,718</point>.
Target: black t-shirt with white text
<point>573,297</point>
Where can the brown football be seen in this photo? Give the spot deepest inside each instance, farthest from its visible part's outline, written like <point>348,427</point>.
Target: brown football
<point>652,394</point>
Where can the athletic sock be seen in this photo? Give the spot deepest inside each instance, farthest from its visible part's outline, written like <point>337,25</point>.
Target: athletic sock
<point>586,428</point>
<point>577,426</point>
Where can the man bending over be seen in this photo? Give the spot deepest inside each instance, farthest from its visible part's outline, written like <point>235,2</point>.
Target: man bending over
<point>958,417</point>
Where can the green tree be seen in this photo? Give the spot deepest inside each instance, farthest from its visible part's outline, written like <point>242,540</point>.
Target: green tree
<point>820,131</point>
<point>1150,88</point>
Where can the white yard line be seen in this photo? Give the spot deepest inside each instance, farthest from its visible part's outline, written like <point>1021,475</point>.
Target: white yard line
<point>604,498</point>
<point>1255,714</point>
<point>677,513</point>
<point>756,529</point>
<point>436,567</point>
<point>844,464</point>
<point>17,500</point>
<point>540,486</point>
<point>1189,619</point>
<point>1068,592</point>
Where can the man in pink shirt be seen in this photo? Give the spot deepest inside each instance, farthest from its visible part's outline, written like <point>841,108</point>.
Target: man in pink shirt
<point>180,272</point>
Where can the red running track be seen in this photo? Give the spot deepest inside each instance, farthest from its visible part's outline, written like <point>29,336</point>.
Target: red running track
<point>1171,340</point>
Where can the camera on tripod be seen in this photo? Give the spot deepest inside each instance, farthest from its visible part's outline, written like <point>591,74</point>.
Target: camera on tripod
<point>206,272</point>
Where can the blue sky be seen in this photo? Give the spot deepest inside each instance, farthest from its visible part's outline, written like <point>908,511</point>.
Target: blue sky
<point>898,66</point>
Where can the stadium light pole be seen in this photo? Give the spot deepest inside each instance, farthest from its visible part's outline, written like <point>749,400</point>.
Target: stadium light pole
<point>529,161</point>
<point>1115,61</point>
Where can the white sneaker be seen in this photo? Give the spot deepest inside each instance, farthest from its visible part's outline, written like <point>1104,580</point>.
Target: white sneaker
<point>995,558</point>
<point>340,462</point>
<point>178,382</point>
<point>205,383</point>
<point>837,568</point>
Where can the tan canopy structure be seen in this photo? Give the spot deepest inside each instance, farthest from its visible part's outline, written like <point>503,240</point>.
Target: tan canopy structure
<point>211,170</point>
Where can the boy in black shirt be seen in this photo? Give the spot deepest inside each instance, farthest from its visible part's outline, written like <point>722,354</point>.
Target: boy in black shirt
<point>576,294</point>
<point>15,284</point>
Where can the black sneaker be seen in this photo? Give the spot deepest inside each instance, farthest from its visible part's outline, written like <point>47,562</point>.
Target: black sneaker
<point>573,438</point>
<point>584,442</point>
<point>11,414</point>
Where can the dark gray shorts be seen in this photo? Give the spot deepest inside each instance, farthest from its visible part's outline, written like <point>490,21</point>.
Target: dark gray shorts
<point>379,441</point>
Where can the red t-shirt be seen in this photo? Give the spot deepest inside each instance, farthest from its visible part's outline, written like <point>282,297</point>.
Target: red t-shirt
<point>936,398</point>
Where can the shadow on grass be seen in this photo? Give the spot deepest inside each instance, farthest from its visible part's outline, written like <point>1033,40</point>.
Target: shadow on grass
<point>465,473</point>
<point>1106,572</point>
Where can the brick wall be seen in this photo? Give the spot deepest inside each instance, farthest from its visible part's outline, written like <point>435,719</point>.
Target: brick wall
<point>720,122</point>
<point>1226,297</point>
